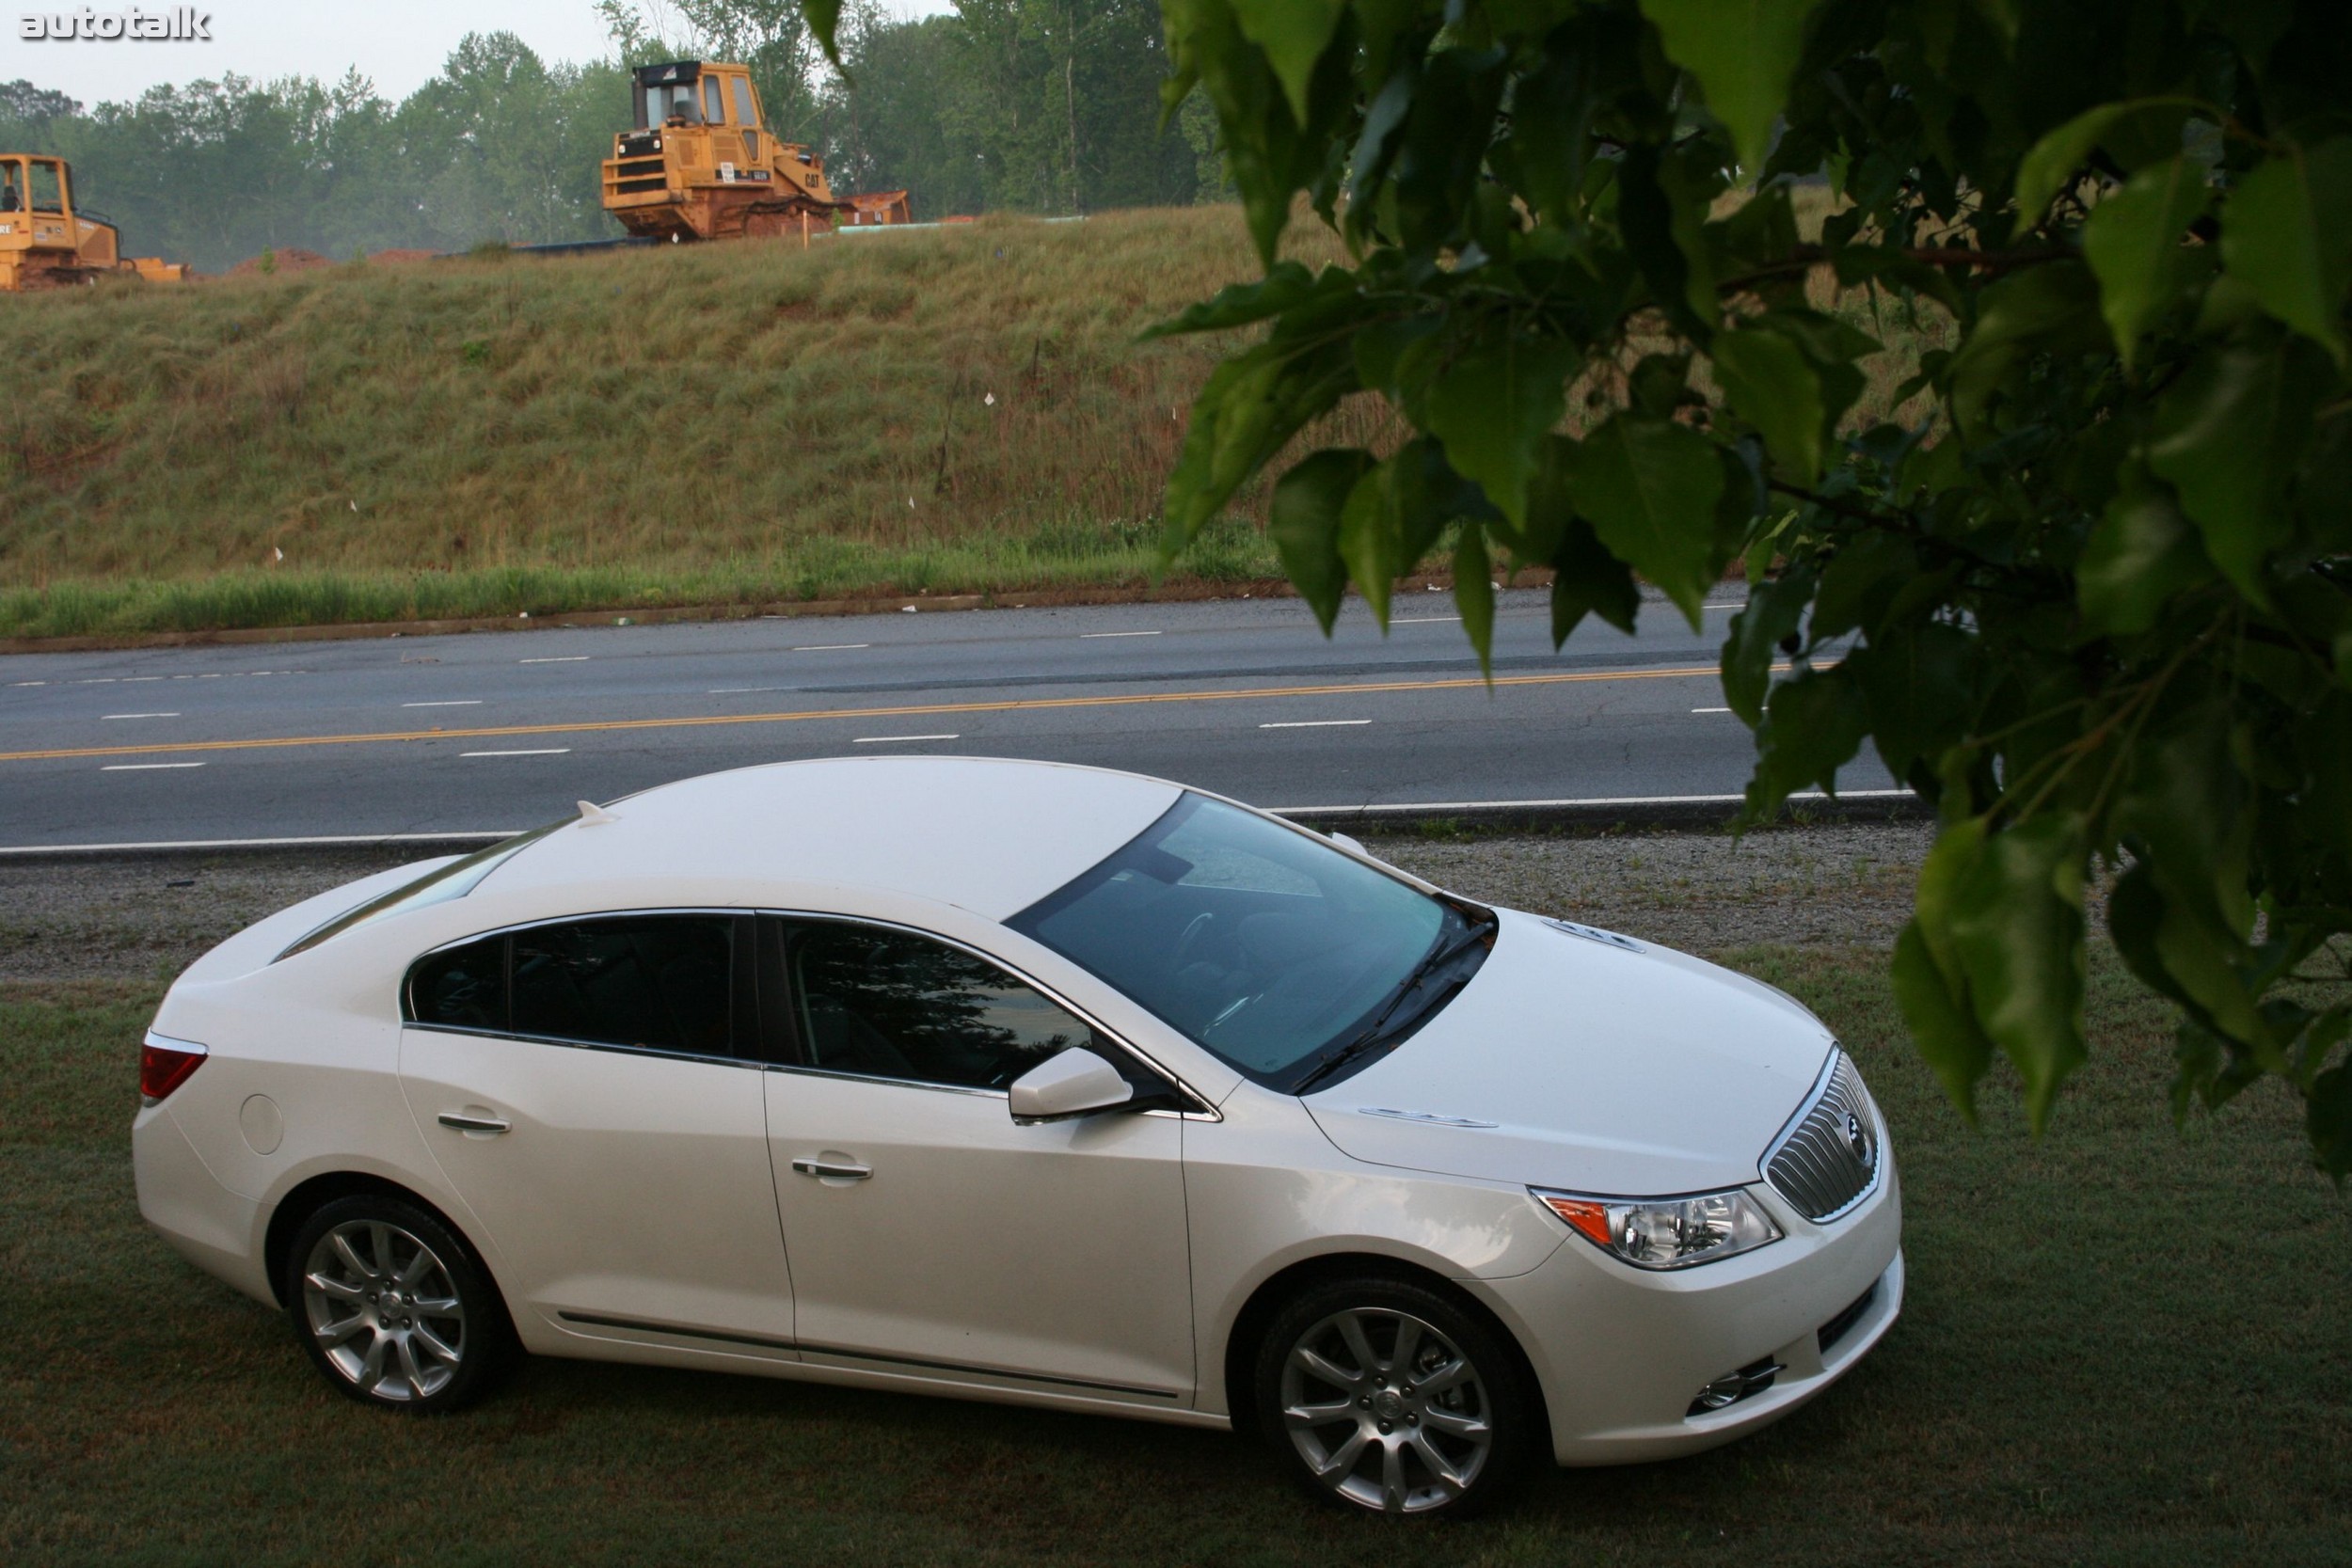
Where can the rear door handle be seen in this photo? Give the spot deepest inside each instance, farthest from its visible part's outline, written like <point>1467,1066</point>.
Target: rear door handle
<point>827,1170</point>
<point>465,1123</point>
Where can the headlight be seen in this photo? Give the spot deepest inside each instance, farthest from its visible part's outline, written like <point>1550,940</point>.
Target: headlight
<point>1667,1232</point>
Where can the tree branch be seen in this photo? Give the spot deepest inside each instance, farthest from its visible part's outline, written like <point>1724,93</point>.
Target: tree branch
<point>1804,258</point>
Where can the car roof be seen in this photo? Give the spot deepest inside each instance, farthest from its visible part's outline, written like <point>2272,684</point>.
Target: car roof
<point>990,834</point>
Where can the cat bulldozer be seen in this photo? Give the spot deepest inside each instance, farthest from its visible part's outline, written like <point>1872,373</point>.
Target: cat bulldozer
<point>45,244</point>
<point>700,165</point>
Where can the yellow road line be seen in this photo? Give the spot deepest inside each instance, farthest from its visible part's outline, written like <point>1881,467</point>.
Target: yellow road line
<point>916,710</point>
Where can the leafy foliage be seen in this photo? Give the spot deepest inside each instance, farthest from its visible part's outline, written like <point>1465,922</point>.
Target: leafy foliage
<point>2094,601</point>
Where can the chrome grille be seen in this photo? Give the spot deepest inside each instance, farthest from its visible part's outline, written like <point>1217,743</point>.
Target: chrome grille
<point>1828,1157</point>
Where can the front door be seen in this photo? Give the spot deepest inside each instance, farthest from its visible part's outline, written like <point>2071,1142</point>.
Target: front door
<point>930,1235</point>
<point>581,1086</point>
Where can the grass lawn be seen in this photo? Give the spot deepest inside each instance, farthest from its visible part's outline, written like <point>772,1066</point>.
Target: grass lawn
<point>2123,1345</point>
<point>957,410</point>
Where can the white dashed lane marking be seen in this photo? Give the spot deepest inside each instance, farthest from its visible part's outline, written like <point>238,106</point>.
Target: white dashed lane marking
<point>106,715</point>
<point>1087,636</point>
<point>890,739</point>
<point>145,766</point>
<point>566,658</point>
<point>822,648</point>
<point>1314,723</point>
<point>1711,710</point>
<point>542,751</point>
<point>453,701</point>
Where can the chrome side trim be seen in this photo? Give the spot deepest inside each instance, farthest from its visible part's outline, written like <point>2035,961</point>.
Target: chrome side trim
<point>582,1045</point>
<point>805,1348</point>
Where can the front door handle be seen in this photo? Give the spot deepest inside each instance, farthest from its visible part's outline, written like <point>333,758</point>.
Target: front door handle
<point>828,1170</point>
<point>464,1122</point>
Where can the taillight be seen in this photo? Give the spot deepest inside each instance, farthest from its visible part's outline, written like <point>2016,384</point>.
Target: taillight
<point>163,1065</point>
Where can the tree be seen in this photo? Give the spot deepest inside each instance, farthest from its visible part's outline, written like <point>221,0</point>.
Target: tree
<point>2092,599</point>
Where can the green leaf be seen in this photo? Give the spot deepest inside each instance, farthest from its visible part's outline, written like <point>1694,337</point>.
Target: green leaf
<point>2228,434</point>
<point>1917,678</point>
<point>2286,234</point>
<point>1252,404</point>
<point>1813,723</point>
<point>1743,52</point>
<point>1286,287</point>
<point>1303,520</point>
<point>1956,1050</point>
<point>1588,581</point>
<point>2052,309</point>
<point>1293,33</point>
<point>1396,513</point>
<point>2052,164</point>
<point>1769,384</point>
<point>2016,934</point>
<point>1774,610</point>
<point>1862,580</point>
<point>1649,487</point>
<point>824,25</point>
<point>2140,554</point>
<point>1493,406</point>
<point>1474,594</point>
<point>2133,240</point>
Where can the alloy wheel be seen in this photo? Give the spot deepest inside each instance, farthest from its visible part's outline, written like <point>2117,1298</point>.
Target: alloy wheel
<point>1386,1410</point>
<point>384,1310</point>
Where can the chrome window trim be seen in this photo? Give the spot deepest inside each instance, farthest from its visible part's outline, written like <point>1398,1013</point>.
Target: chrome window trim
<point>1837,1052</point>
<point>570,1044</point>
<point>1205,1108</point>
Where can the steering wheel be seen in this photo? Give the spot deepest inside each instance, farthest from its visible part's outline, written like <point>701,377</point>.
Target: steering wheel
<point>1195,929</point>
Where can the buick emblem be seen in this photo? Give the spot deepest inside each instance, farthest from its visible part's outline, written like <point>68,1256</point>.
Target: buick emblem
<point>1856,1138</point>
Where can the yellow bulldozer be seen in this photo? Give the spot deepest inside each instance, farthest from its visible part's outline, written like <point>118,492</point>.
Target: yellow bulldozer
<point>45,244</point>
<point>700,165</point>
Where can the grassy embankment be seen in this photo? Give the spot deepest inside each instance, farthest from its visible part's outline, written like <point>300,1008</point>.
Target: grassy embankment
<point>703,425</point>
<point>2123,1345</point>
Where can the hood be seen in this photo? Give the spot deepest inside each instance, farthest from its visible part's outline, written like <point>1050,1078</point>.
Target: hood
<point>1589,1063</point>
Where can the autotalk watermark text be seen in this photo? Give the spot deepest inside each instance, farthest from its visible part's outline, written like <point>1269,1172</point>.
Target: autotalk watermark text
<point>182,23</point>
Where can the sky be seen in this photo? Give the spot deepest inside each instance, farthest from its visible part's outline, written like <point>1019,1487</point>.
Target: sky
<point>399,43</point>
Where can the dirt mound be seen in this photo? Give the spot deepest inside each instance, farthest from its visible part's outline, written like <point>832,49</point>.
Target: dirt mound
<point>292,259</point>
<point>403,256</point>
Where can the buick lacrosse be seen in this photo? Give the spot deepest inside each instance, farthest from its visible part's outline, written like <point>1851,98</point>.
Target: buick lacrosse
<point>1035,1084</point>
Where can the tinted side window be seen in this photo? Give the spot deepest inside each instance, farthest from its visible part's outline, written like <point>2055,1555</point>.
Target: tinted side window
<point>890,1005</point>
<point>462,988</point>
<point>662,982</point>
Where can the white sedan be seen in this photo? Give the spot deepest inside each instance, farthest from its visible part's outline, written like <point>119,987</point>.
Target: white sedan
<point>1035,1084</point>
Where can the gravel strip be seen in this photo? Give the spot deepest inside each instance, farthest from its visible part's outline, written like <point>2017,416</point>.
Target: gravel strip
<point>149,919</point>
<point>1699,892</point>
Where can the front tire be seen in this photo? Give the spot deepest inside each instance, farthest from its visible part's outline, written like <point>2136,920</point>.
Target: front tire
<point>1389,1395</point>
<point>393,1308</point>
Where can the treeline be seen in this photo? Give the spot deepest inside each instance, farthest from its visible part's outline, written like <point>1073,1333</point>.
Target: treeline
<point>1032,105</point>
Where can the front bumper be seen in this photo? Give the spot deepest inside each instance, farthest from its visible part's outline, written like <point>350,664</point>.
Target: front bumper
<point>1620,1351</point>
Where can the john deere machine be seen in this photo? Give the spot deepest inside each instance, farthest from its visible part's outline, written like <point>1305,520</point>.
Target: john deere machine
<point>44,244</point>
<point>700,165</point>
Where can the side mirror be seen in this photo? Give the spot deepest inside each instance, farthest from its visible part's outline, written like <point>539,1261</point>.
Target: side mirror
<point>1073,1084</point>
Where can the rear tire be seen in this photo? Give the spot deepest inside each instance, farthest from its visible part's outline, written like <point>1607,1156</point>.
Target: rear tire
<point>393,1308</point>
<point>1394,1398</point>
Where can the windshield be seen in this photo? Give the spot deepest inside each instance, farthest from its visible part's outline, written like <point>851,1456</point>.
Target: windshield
<point>453,881</point>
<point>1262,943</point>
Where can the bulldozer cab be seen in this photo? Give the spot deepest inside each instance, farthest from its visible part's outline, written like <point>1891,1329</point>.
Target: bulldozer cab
<point>33,184</point>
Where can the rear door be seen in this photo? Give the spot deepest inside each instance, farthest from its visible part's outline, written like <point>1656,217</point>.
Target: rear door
<point>583,1087</point>
<point>931,1235</point>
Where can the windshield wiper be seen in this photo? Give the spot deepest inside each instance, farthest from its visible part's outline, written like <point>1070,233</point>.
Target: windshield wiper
<point>1379,1030</point>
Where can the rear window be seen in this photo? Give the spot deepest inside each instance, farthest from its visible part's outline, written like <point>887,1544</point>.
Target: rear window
<point>453,881</point>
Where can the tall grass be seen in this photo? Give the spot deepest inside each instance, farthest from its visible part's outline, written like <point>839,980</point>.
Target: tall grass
<point>957,409</point>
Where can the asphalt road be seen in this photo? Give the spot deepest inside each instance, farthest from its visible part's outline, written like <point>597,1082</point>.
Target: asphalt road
<point>499,731</point>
